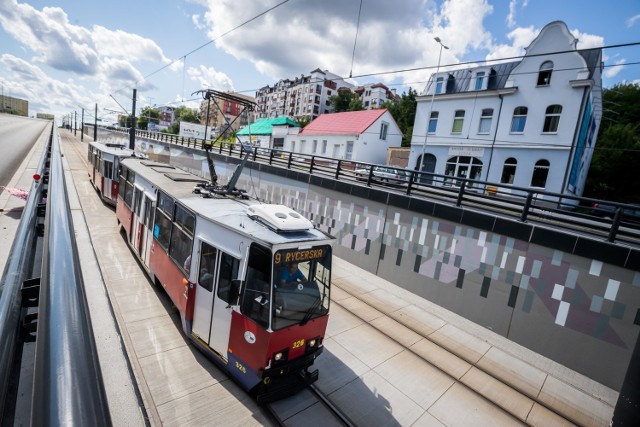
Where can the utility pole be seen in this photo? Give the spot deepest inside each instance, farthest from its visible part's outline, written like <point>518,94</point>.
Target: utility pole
<point>132,130</point>
<point>82,127</point>
<point>75,123</point>
<point>95,125</point>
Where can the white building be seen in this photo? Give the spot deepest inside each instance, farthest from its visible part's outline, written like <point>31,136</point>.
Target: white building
<point>362,136</point>
<point>531,123</point>
<point>300,97</point>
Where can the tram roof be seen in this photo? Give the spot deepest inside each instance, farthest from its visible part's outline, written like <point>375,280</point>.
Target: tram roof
<point>115,149</point>
<point>229,211</point>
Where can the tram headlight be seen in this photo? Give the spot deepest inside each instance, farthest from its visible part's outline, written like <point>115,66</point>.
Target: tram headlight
<point>280,357</point>
<point>313,344</point>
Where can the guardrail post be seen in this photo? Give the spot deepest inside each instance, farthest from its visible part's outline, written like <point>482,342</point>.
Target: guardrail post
<point>615,225</point>
<point>526,207</point>
<point>461,193</point>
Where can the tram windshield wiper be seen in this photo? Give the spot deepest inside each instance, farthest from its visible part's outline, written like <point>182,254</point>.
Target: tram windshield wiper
<point>312,309</point>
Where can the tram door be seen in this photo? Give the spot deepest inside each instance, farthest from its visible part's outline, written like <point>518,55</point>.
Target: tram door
<point>137,223</point>
<point>148,209</point>
<point>211,316</point>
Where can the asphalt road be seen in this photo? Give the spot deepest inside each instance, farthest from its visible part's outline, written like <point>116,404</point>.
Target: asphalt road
<point>17,136</point>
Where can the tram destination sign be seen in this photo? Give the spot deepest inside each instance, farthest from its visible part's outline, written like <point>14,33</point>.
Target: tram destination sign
<point>299,255</point>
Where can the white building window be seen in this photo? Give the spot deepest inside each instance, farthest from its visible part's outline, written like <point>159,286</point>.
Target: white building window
<point>383,131</point>
<point>324,146</point>
<point>519,119</point>
<point>433,122</point>
<point>315,146</point>
<point>349,152</point>
<point>458,121</point>
<point>485,121</point>
<point>552,119</point>
<point>509,171</point>
<point>540,173</point>
<point>480,80</point>
<point>544,75</point>
<point>439,84</point>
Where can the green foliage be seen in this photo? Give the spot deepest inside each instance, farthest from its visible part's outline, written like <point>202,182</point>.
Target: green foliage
<point>617,151</point>
<point>147,115</point>
<point>190,115</point>
<point>173,128</point>
<point>403,111</point>
<point>303,121</point>
<point>345,101</point>
<point>124,121</point>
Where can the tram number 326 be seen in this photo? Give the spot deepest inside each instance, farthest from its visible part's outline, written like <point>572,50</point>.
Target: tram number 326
<point>241,368</point>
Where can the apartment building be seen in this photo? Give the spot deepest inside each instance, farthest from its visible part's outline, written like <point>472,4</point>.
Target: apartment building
<point>374,95</point>
<point>300,97</point>
<point>226,115</point>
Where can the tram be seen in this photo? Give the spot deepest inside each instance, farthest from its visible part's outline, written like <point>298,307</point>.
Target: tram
<point>104,164</point>
<point>224,260</point>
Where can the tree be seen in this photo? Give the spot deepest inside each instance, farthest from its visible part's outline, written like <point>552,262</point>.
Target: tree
<point>617,150</point>
<point>303,121</point>
<point>403,111</point>
<point>345,100</point>
<point>147,115</point>
<point>182,113</point>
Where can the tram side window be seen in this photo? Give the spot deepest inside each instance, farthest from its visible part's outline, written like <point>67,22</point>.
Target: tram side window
<point>257,290</point>
<point>148,212</point>
<point>208,256</point>
<point>128,187</point>
<point>123,180</point>
<point>229,267</point>
<point>162,226</point>
<point>181,238</point>
<point>108,170</point>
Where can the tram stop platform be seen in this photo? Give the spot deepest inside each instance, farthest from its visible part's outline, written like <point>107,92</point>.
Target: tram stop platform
<point>391,358</point>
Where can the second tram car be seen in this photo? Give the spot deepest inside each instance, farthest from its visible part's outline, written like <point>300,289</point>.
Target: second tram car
<point>251,280</point>
<point>104,165</point>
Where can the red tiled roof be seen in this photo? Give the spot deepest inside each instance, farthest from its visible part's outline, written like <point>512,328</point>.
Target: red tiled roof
<point>349,123</point>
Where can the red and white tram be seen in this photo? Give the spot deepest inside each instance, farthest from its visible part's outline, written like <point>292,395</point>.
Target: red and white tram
<point>104,164</point>
<point>227,263</point>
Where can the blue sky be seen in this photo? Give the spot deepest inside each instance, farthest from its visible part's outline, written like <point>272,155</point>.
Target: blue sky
<point>65,55</point>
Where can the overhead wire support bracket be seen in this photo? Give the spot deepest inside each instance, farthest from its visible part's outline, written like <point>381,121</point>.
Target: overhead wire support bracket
<point>247,106</point>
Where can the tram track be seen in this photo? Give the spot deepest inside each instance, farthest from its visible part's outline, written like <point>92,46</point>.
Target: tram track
<point>315,402</point>
<point>494,387</point>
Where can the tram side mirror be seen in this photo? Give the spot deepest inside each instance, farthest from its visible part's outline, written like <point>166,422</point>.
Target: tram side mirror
<point>234,292</point>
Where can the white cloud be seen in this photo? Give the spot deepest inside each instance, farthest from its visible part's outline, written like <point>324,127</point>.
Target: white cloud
<point>67,47</point>
<point>520,38</point>
<point>209,78</point>
<point>30,82</point>
<point>613,71</point>
<point>298,37</point>
<point>632,21</point>
<point>511,17</point>
<point>197,22</point>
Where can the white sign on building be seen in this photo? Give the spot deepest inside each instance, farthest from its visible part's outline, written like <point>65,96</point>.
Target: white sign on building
<point>193,130</point>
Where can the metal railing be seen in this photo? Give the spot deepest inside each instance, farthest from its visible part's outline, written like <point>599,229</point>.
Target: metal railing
<point>611,221</point>
<point>68,387</point>
<point>67,380</point>
<point>17,270</point>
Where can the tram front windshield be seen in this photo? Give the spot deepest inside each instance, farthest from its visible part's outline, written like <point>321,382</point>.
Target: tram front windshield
<point>298,290</point>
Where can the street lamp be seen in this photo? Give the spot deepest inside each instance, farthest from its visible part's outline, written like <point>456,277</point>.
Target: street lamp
<point>433,95</point>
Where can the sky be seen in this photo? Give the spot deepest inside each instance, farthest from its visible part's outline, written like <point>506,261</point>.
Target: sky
<point>64,56</point>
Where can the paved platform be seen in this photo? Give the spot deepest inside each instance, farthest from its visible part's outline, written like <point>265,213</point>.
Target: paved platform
<point>391,357</point>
